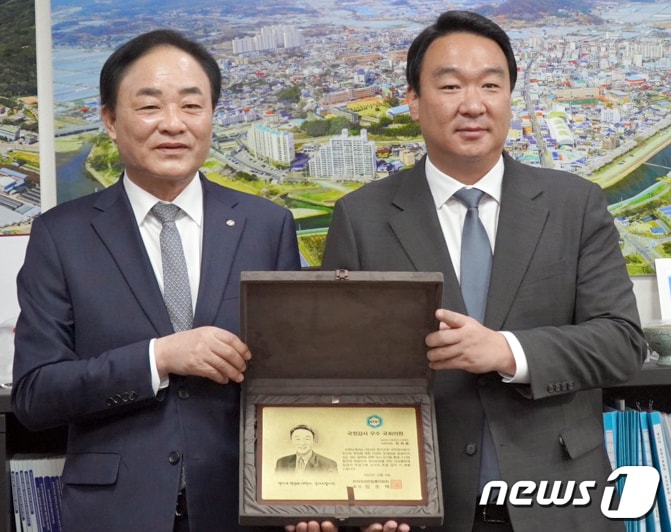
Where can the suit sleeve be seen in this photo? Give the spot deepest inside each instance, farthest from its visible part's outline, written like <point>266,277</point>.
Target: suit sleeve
<point>46,366</point>
<point>288,258</point>
<point>603,343</point>
<point>341,248</point>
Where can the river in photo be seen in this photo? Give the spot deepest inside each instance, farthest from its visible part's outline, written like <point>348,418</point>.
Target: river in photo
<point>73,180</point>
<point>642,177</point>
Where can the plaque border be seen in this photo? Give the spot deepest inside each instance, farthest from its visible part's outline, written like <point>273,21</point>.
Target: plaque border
<point>366,391</point>
<point>350,500</point>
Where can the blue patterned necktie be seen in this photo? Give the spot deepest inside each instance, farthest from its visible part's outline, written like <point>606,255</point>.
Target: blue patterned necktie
<point>476,255</point>
<point>176,289</point>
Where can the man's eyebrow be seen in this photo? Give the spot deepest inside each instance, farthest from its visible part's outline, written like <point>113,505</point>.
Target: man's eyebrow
<point>191,90</point>
<point>147,91</point>
<point>150,91</point>
<point>445,70</point>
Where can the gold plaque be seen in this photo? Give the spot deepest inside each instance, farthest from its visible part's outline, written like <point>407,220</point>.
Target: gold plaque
<point>349,454</point>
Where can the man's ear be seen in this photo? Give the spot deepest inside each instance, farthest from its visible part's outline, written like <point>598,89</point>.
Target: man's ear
<point>109,119</point>
<point>413,103</point>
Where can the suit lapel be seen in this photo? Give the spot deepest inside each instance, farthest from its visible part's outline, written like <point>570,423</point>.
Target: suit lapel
<point>418,230</point>
<point>222,229</point>
<point>312,462</point>
<point>116,227</point>
<point>521,222</point>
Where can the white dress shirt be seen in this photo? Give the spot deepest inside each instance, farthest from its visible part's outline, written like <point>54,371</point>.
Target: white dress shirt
<point>451,214</point>
<point>189,223</point>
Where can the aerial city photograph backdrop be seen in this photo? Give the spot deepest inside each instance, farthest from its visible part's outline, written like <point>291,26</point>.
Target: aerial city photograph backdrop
<point>19,139</point>
<point>314,101</point>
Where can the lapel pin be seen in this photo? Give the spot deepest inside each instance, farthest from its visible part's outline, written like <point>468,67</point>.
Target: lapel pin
<point>230,223</point>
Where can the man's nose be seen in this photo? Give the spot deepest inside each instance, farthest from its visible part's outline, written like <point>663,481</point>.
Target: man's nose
<point>472,101</point>
<point>171,118</point>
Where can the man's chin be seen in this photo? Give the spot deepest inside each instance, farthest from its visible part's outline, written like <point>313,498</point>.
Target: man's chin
<point>176,176</point>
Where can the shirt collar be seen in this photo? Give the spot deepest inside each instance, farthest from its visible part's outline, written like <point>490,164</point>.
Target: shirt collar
<point>443,186</point>
<point>190,200</point>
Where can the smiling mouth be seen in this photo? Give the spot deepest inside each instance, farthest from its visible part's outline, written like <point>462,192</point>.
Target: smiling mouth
<point>171,147</point>
<point>172,151</point>
<point>471,132</point>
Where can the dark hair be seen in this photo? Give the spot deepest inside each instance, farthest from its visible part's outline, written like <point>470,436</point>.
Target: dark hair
<point>454,22</point>
<point>301,427</point>
<point>123,57</point>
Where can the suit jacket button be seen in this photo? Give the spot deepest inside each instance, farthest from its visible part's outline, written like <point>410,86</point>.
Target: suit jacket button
<point>471,448</point>
<point>183,393</point>
<point>174,457</point>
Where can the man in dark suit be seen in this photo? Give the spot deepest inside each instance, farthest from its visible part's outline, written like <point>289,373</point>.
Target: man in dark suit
<point>561,319</point>
<point>305,459</point>
<point>152,414</point>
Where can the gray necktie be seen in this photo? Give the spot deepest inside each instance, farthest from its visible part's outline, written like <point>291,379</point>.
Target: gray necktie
<point>300,465</point>
<point>476,255</point>
<point>176,289</point>
<point>476,266</point>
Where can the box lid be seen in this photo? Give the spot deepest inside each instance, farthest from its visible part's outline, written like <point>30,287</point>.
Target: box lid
<point>338,324</point>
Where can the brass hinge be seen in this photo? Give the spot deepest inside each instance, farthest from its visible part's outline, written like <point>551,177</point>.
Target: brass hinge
<point>342,275</point>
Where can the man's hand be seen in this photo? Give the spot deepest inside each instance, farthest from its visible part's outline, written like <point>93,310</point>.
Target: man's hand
<point>389,526</point>
<point>462,342</point>
<point>209,352</point>
<point>327,526</point>
<point>312,526</point>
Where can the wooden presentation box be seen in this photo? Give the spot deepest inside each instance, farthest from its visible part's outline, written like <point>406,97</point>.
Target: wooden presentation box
<point>339,377</point>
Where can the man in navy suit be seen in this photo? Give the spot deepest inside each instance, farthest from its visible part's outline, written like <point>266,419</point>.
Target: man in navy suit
<point>152,414</point>
<point>517,390</point>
